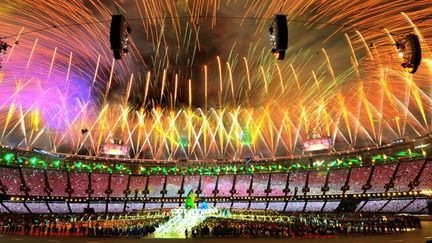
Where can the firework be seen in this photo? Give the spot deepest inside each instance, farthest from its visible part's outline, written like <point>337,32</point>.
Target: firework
<point>176,97</point>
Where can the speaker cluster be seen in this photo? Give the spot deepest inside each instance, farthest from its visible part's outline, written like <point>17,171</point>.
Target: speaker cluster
<point>119,36</point>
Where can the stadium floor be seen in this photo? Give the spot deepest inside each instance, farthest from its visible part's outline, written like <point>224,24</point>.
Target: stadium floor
<point>419,236</point>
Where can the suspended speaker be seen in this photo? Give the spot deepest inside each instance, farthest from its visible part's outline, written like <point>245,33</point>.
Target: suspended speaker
<point>119,36</point>
<point>410,51</point>
<point>279,36</point>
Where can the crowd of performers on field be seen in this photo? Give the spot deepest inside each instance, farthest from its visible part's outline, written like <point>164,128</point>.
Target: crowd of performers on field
<point>228,223</point>
<point>301,225</point>
<point>306,225</point>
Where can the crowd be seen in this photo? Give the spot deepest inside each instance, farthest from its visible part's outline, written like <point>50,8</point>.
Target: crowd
<point>305,225</point>
<point>73,225</point>
<point>237,223</point>
<point>58,183</point>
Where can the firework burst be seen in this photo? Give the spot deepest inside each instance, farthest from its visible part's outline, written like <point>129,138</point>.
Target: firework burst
<point>201,83</point>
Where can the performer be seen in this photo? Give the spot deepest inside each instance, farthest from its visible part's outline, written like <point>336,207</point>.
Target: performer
<point>190,200</point>
<point>204,204</point>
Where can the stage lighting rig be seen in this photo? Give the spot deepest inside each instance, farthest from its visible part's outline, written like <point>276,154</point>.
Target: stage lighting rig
<point>119,36</point>
<point>410,51</point>
<point>279,36</point>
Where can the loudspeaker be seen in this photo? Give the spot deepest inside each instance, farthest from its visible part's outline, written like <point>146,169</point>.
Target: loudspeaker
<point>116,30</point>
<point>119,35</point>
<point>89,210</point>
<point>281,32</point>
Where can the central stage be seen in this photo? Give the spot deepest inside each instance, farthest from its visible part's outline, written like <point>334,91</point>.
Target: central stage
<point>182,221</point>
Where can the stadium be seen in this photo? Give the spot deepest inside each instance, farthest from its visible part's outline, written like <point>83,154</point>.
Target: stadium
<point>283,120</point>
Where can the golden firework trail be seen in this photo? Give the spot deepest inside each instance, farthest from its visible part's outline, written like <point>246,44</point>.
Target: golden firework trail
<point>341,79</point>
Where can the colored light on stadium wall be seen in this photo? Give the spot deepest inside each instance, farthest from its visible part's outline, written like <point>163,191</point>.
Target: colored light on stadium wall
<point>9,157</point>
<point>223,169</point>
<point>210,170</point>
<point>88,168</point>
<point>164,171</point>
<point>99,167</point>
<point>174,169</point>
<point>295,166</point>
<point>318,163</point>
<point>56,164</point>
<point>251,169</point>
<point>33,161</point>
<point>78,165</point>
<point>402,154</point>
<point>119,167</point>
<point>43,164</point>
